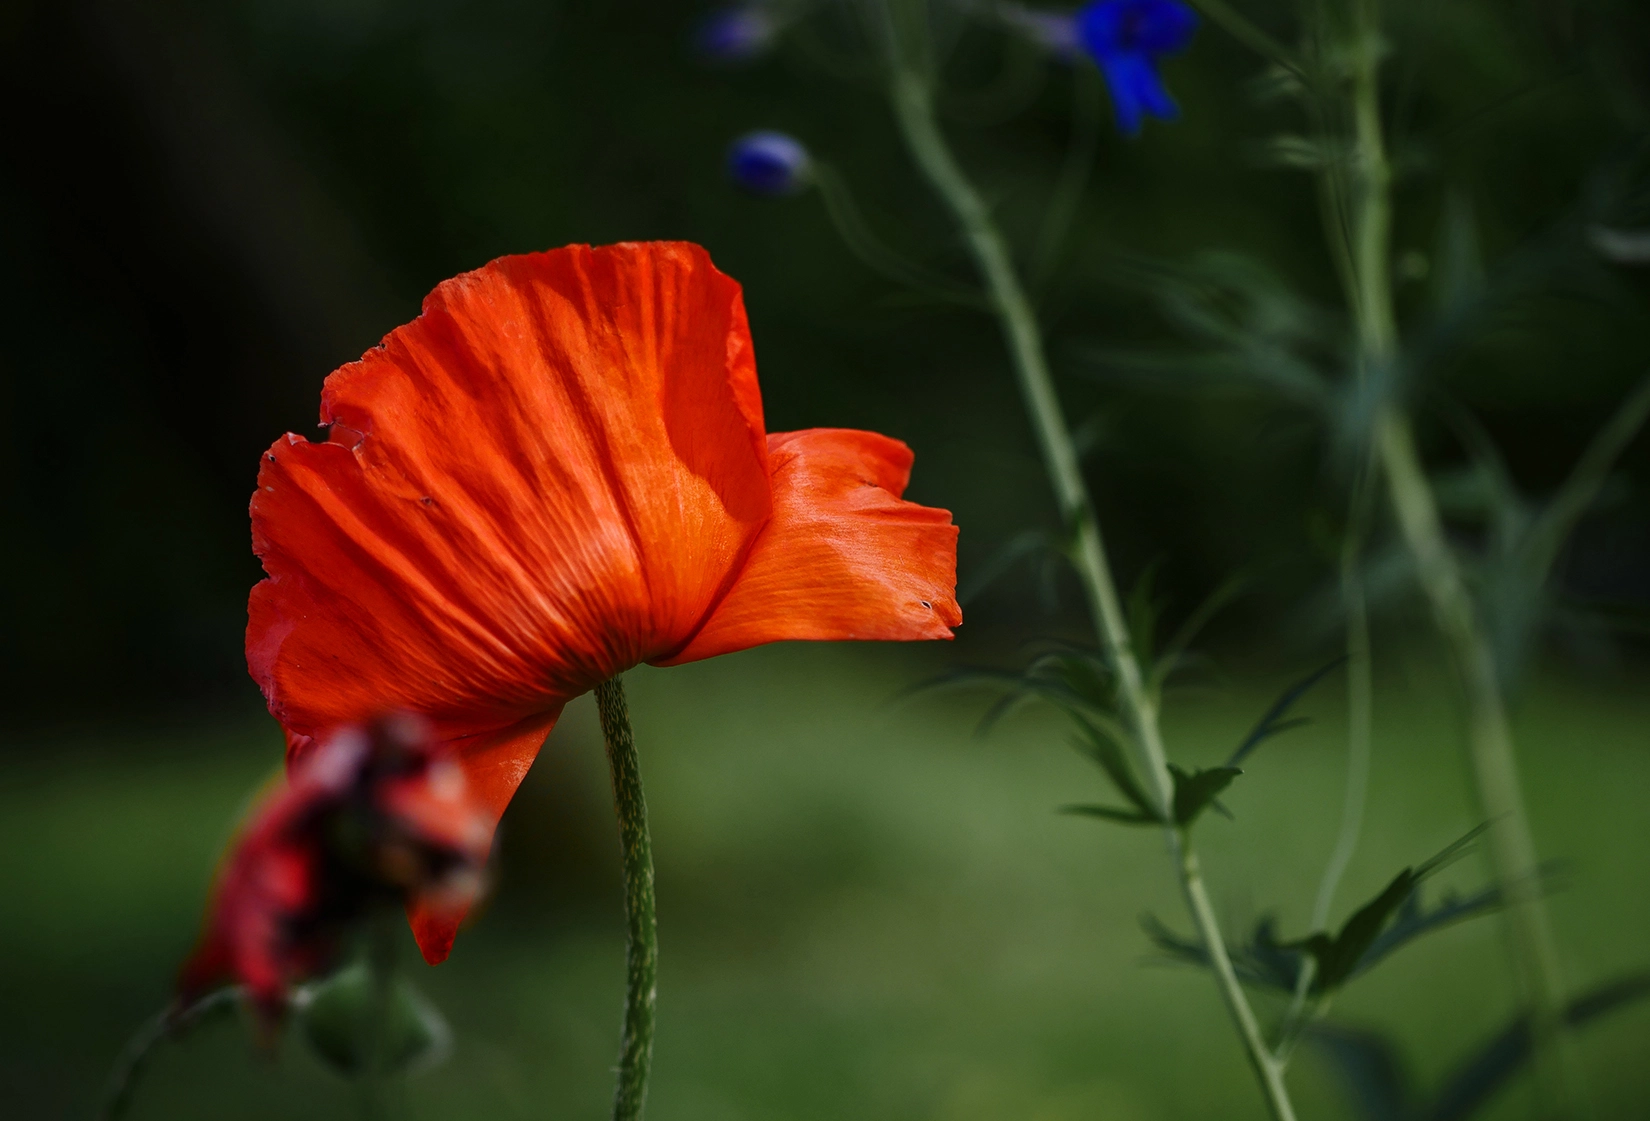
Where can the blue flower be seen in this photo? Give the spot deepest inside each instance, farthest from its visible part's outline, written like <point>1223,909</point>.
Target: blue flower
<point>735,34</point>
<point>769,163</point>
<point>1126,37</point>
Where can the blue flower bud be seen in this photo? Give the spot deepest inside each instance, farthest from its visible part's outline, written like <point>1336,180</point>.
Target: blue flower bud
<point>1126,38</point>
<point>769,163</point>
<point>736,34</point>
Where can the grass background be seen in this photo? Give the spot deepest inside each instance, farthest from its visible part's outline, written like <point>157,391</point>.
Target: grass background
<point>866,910</point>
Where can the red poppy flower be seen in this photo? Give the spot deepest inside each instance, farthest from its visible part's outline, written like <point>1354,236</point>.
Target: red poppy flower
<point>557,472</point>
<point>371,817</point>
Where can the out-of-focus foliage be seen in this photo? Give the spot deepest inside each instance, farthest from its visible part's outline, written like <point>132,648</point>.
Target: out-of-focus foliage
<point>865,912</point>
<point>210,205</point>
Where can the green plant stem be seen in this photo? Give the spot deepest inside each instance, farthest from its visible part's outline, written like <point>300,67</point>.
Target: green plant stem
<point>169,1024</point>
<point>1087,112</point>
<point>1360,702</point>
<point>914,110</point>
<point>1494,764</point>
<point>875,254</point>
<point>1245,32</point>
<point>1552,528</point>
<point>641,929</point>
<point>373,1085</point>
<point>1360,706</point>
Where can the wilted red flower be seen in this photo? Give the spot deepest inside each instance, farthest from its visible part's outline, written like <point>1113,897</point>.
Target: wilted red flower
<point>557,472</point>
<point>367,818</point>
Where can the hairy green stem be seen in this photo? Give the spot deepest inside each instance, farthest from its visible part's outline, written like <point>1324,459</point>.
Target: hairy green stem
<point>641,930</point>
<point>913,107</point>
<point>1494,764</point>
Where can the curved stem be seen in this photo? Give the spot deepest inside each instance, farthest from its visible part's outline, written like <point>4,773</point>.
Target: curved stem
<point>1245,32</point>
<point>1585,480</point>
<point>873,252</point>
<point>641,930</point>
<point>1359,701</point>
<point>1510,841</point>
<point>913,106</point>
<point>171,1023</point>
<point>1360,694</point>
<point>1061,211</point>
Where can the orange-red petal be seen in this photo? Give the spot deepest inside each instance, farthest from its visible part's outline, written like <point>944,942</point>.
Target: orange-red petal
<point>549,476</point>
<point>494,766</point>
<point>553,474</point>
<point>843,557</point>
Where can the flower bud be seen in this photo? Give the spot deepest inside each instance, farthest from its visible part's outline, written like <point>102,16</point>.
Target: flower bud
<point>734,35</point>
<point>769,163</point>
<point>372,817</point>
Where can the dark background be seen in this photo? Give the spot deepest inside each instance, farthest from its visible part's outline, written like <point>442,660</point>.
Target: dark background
<point>207,206</point>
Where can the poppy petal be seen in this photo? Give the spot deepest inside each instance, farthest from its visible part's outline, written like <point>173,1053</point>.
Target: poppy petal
<point>494,766</point>
<point>552,474</point>
<point>843,557</point>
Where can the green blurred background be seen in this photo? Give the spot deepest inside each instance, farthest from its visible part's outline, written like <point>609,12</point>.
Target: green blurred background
<point>866,911</point>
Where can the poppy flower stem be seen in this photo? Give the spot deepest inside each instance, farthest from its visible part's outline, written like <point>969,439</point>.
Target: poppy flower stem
<point>913,105</point>
<point>374,1083</point>
<point>641,929</point>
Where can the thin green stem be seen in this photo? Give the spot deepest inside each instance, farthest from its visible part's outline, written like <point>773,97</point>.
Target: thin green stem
<point>1067,196</point>
<point>375,1082</point>
<point>1494,763</point>
<point>1240,28</point>
<point>1359,701</point>
<point>873,252</point>
<point>1360,693</point>
<point>169,1024</point>
<point>1581,487</point>
<point>913,107</point>
<point>1268,1070</point>
<point>641,929</point>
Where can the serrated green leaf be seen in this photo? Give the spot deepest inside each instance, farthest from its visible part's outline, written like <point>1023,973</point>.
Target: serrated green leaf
<point>1289,150</point>
<point>1017,548</point>
<point>1112,813</point>
<point>339,1019</point>
<point>1381,1088</point>
<point>1477,1079</point>
<point>1102,741</point>
<point>1271,969</point>
<point>1194,791</point>
<point>1273,722</point>
<point>1174,653</point>
<point>1340,956</point>
<point>1371,1069</point>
